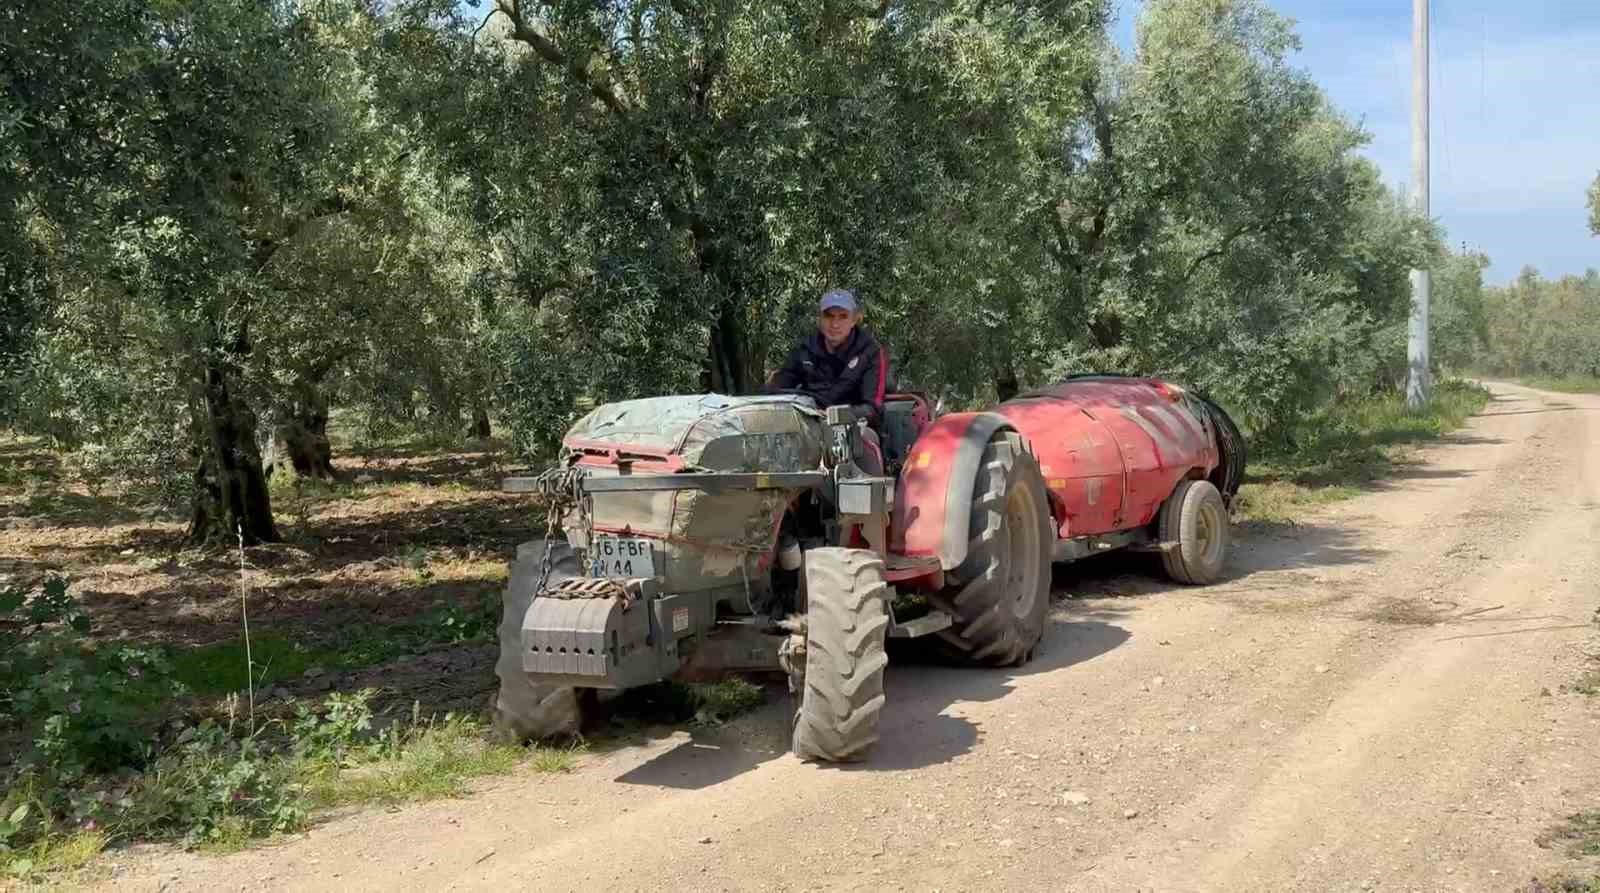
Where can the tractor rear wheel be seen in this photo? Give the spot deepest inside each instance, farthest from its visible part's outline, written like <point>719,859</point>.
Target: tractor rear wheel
<point>1000,594</point>
<point>1194,532</point>
<point>847,618</point>
<point>524,711</point>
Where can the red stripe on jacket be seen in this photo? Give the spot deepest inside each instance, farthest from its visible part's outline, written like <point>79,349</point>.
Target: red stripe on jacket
<point>883,375</point>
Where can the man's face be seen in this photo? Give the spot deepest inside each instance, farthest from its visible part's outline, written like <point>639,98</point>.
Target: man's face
<point>836,324</point>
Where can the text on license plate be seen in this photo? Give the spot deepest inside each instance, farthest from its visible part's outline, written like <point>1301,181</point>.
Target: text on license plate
<point>618,558</point>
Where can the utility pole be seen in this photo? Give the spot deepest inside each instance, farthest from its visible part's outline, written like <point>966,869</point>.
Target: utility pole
<point>1417,353</point>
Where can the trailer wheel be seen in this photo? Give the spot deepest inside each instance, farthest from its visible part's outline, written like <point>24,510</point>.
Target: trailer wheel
<point>524,711</point>
<point>1194,532</point>
<point>999,596</point>
<point>847,619</point>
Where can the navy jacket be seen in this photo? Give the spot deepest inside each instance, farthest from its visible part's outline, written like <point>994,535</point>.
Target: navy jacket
<point>856,376</point>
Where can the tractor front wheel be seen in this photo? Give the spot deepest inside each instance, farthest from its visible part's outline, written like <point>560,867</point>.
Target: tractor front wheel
<point>524,711</point>
<point>847,618</point>
<point>1000,594</point>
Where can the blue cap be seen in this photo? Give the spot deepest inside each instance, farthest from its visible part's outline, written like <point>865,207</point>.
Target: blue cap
<point>841,298</point>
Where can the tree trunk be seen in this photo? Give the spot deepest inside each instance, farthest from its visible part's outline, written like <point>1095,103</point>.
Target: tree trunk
<point>301,442</point>
<point>729,354</point>
<point>480,424</point>
<point>231,499</point>
<point>1005,382</point>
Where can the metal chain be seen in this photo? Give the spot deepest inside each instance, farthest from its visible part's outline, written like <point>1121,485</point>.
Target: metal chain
<point>562,489</point>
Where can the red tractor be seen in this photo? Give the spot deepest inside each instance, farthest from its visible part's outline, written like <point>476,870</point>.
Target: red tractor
<point>707,534</point>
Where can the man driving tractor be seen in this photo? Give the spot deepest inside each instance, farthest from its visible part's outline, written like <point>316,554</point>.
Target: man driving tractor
<point>841,364</point>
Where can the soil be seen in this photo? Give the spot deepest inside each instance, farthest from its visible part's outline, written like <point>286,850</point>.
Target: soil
<point>408,533</point>
<point>1373,699</point>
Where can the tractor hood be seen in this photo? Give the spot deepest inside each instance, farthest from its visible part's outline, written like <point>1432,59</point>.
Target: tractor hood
<point>707,432</point>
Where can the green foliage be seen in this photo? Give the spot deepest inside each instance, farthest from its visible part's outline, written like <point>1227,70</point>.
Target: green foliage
<point>217,786</point>
<point>1542,329</point>
<point>1594,206</point>
<point>721,701</point>
<point>1566,384</point>
<point>551,760</point>
<point>1342,448</point>
<point>423,761</point>
<point>79,709</point>
<point>213,787</point>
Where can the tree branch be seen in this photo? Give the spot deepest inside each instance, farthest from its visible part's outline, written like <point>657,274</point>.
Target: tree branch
<point>266,248</point>
<point>1220,250</point>
<point>600,87</point>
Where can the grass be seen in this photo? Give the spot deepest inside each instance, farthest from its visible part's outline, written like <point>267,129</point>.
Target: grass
<point>53,855</point>
<point>1579,834</point>
<point>1566,384</point>
<point>1346,448</point>
<point>721,701</point>
<point>552,760</point>
<point>1588,683</point>
<point>435,761</point>
<point>219,668</point>
<point>1565,883</point>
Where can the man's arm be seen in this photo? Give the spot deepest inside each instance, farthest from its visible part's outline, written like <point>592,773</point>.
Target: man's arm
<point>788,375</point>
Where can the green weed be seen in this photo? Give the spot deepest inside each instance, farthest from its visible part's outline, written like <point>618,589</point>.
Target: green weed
<point>722,701</point>
<point>424,762</point>
<point>1579,834</point>
<point>1337,452</point>
<point>556,759</point>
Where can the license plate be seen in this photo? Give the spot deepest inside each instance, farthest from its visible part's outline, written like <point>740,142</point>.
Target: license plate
<point>620,558</point>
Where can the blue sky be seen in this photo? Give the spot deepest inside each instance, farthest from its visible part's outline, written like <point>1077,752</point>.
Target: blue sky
<point>1515,117</point>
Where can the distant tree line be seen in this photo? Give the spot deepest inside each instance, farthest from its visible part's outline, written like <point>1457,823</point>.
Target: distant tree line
<point>221,220</point>
<point>1542,328</point>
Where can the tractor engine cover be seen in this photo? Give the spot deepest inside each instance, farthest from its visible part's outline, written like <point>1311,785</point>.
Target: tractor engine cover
<point>593,633</point>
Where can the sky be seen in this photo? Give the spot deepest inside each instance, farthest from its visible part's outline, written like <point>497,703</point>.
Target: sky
<point>1515,114</point>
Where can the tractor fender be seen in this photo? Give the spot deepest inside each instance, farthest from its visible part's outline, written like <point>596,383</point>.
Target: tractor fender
<point>933,500</point>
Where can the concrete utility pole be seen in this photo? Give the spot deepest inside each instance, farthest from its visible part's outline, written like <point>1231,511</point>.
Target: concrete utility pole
<point>1417,384</point>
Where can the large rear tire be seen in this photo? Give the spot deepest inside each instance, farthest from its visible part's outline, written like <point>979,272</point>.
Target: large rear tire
<point>847,618</point>
<point>1000,594</point>
<point>524,711</point>
<point>1194,532</point>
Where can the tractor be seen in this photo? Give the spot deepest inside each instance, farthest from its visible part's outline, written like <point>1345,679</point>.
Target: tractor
<point>709,534</point>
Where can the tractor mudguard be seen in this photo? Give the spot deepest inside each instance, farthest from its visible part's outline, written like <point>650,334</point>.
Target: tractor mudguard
<point>933,500</point>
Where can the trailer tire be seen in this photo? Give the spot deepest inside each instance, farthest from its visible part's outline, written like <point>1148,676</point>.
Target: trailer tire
<point>1000,594</point>
<point>1194,532</point>
<point>524,711</point>
<point>847,619</point>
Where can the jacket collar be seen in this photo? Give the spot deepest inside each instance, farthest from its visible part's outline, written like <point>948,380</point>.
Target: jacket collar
<point>857,338</point>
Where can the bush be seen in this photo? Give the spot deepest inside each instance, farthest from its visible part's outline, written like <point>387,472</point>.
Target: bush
<point>74,709</point>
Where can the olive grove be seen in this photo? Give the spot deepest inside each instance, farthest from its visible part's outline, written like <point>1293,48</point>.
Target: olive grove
<point>232,218</point>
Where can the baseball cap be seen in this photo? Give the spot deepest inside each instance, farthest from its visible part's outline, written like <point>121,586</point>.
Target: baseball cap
<point>842,298</point>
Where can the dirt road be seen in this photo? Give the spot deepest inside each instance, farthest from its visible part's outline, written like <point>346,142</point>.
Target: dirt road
<point>1373,701</point>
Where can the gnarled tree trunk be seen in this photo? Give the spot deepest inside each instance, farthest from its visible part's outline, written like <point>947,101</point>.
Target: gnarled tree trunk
<point>480,424</point>
<point>301,441</point>
<point>230,499</point>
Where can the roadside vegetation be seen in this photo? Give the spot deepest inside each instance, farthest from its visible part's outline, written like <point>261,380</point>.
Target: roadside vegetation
<point>1347,448</point>
<point>1565,384</point>
<point>1544,333</point>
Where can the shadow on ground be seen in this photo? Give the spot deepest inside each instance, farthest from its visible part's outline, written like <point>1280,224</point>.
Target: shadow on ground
<point>915,728</point>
